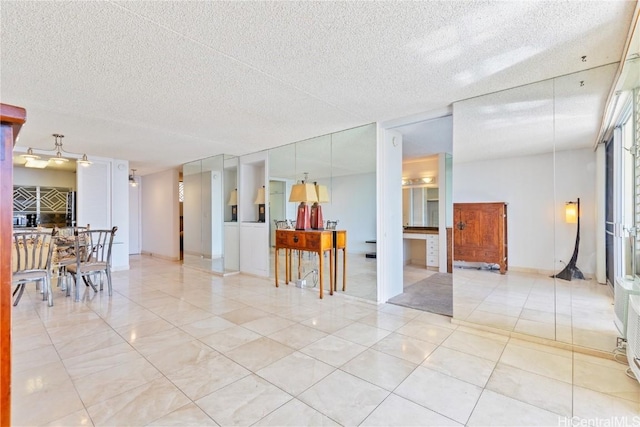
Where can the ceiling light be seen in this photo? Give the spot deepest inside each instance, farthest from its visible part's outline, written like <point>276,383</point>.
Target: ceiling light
<point>84,161</point>
<point>132,178</point>
<point>35,163</point>
<point>58,157</point>
<point>418,181</point>
<point>30,155</point>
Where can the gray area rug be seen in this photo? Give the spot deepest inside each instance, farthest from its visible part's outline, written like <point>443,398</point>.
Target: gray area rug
<point>433,294</point>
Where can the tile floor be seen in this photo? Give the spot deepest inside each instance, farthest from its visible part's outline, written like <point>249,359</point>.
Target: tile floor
<point>578,312</point>
<point>175,346</point>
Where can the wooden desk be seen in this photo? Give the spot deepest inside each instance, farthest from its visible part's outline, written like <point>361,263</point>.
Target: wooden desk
<point>319,241</point>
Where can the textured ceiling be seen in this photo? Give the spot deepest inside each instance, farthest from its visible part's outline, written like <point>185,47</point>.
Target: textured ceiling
<point>164,83</point>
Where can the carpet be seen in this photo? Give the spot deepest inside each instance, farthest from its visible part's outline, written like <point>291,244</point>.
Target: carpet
<point>433,294</point>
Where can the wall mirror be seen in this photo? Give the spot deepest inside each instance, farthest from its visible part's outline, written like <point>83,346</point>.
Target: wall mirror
<point>420,192</point>
<point>345,162</point>
<point>532,147</point>
<point>205,213</point>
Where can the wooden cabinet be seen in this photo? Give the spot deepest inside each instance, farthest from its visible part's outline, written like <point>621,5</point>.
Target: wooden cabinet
<point>480,233</point>
<point>319,241</point>
<point>11,118</point>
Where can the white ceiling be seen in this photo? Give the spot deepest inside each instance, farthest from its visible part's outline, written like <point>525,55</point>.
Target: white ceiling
<point>164,83</point>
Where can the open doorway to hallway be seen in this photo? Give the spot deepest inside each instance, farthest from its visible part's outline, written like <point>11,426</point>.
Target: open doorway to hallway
<point>427,284</point>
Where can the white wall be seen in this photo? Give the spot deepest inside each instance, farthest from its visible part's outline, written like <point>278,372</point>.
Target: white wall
<point>389,213</point>
<point>217,205</point>
<point>192,214</point>
<point>353,204</point>
<point>134,218</point>
<point>120,214</point>
<point>527,185</point>
<point>44,177</point>
<point>160,215</point>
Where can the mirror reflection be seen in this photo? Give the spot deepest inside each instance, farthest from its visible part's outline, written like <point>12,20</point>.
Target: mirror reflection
<point>343,162</point>
<point>531,150</point>
<point>207,184</point>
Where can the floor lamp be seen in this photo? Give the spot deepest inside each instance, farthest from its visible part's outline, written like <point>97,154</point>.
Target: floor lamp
<point>571,271</point>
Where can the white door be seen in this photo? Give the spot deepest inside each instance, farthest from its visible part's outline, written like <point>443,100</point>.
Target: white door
<point>94,195</point>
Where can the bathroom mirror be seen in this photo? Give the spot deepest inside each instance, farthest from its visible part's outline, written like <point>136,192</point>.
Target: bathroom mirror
<point>420,191</point>
<point>532,148</point>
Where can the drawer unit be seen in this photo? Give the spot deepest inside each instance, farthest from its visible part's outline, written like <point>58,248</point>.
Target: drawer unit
<point>433,250</point>
<point>304,241</point>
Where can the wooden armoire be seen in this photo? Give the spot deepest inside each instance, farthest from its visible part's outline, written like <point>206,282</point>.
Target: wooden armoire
<point>480,233</point>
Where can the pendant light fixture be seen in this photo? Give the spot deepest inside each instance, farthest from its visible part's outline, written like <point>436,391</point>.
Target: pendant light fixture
<point>58,157</point>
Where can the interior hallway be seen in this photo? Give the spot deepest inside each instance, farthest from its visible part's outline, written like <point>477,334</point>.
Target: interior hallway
<point>175,346</point>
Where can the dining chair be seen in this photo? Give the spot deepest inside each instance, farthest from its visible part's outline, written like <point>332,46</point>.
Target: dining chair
<point>31,262</point>
<point>64,253</point>
<point>93,256</point>
<point>281,224</point>
<point>331,225</point>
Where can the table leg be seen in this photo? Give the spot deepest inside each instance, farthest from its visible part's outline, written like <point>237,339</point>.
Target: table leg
<point>344,269</point>
<point>285,251</point>
<point>332,271</point>
<point>287,265</point>
<point>334,260</point>
<point>320,274</point>
<point>299,264</point>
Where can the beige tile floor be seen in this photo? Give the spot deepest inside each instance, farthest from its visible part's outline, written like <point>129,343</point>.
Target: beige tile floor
<point>577,312</point>
<point>175,346</point>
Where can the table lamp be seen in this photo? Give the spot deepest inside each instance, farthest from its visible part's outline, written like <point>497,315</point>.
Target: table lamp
<point>260,202</point>
<point>303,193</point>
<point>233,202</point>
<point>317,222</point>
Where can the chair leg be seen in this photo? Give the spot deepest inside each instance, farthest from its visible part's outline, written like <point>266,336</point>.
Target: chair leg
<point>43,289</point>
<point>21,288</point>
<point>77,290</point>
<point>49,291</point>
<point>71,284</point>
<point>89,282</point>
<point>108,273</point>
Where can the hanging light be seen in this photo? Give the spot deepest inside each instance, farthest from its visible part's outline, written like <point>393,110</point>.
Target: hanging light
<point>30,155</point>
<point>132,178</point>
<point>84,161</point>
<point>58,157</point>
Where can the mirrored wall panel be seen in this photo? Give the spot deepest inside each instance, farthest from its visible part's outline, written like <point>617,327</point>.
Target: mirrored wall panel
<point>530,149</point>
<point>208,185</point>
<point>345,163</point>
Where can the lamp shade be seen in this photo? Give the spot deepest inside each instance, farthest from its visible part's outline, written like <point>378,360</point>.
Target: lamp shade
<point>233,198</point>
<point>571,212</point>
<point>303,193</point>
<point>260,197</point>
<point>323,193</point>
